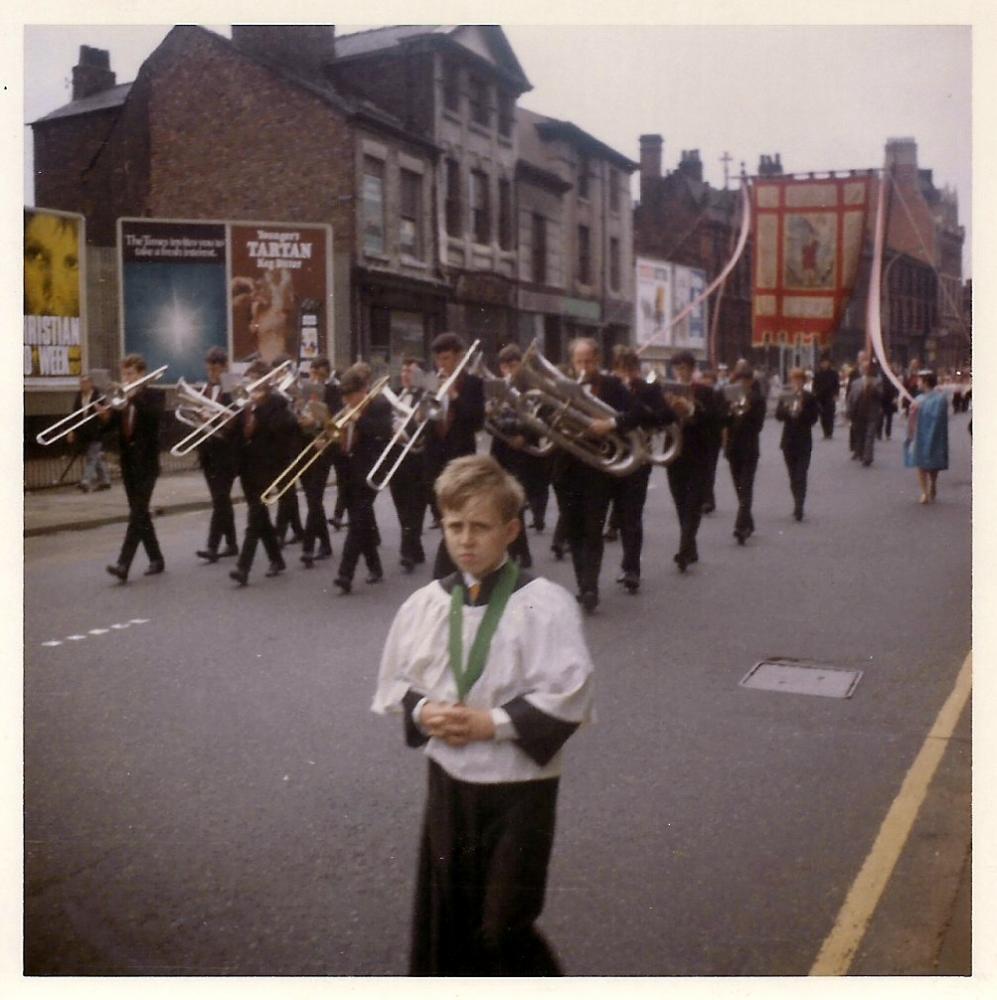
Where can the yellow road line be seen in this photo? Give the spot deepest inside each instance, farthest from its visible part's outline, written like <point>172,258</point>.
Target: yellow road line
<point>839,948</point>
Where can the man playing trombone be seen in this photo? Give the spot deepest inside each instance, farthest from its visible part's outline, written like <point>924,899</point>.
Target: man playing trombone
<point>135,411</point>
<point>218,465</point>
<point>407,485</point>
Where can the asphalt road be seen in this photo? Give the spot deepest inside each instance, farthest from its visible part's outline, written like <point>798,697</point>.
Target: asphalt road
<point>206,791</point>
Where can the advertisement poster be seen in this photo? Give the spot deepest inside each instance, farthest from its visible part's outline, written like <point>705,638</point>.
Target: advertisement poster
<point>54,251</point>
<point>689,332</point>
<point>174,302</point>
<point>279,275</point>
<point>654,302</point>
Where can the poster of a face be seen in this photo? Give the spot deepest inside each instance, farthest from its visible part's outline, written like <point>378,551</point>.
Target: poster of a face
<point>654,301</point>
<point>275,270</point>
<point>53,283</point>
<point>173,293</point>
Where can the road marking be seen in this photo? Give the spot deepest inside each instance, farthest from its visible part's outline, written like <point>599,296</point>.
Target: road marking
<point>96,631</point>
<point>119,625</point>
<point>75,638</point>
<point>138,621</point>
<point>53,642</point>
<point>838,950</point>
<point>99,631</point>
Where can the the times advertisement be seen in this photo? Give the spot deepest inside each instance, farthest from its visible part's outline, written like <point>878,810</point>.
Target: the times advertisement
<point>54,300</point>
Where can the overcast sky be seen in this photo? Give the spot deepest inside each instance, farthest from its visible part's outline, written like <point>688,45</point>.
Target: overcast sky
<point>825,98</point>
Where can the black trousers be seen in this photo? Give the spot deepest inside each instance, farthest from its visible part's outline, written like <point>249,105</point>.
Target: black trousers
<point>710,476</point>
<point>743,466</point>
<point>408,491</point>
<point>362,537</point>
<point>482,877</point>
<point>797,465</point>
<point>138,490</point>
<point>220,476</point>
<point>687,482</point>
<point>631,495</point>
<point>584,494</point>
<point>826,408</point>
<point>316,526</point>
<point>259,528</point>
<point>289,514</point>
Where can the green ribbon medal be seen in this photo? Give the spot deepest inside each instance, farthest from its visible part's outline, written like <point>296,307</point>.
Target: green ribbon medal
<point>467,676</point>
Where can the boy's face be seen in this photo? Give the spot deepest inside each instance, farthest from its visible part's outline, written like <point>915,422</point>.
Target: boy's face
<point>477,537</point>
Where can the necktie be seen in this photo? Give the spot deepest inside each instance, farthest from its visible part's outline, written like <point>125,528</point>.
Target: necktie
<point>250,425</point>
<point>129,421</point>
<point>473,592</point>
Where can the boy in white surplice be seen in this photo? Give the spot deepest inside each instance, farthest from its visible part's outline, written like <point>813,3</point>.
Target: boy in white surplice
<point>491,674</point>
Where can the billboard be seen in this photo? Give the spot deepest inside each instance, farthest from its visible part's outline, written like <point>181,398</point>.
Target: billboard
<point>54,283</point>
<point>258,289</point>
<point>663,291</point>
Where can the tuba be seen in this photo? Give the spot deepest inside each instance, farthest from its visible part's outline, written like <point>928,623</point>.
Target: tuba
<point>558,408</point>
<point>501,402</point>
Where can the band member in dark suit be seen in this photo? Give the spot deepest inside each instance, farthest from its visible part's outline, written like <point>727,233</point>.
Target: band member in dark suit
<point>316,476</point>
<point>648,410</point>
<point>408,488</point>
<point>288,508</point>
<point>137,424</point>
<point>744,426</point>
<point>509,452</point>
<point>583,491</point>
<point>714,439</point>
<point>260,435</point>
<point>701,413</point>
<point>827,385</point>
<point>218,463</point>
<point>798,415</point>
<point>362,442</point>
<point>454,434</point>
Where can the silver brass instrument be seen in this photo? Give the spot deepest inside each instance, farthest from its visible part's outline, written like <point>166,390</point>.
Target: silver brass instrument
<point>221,418</point>
<point>430,407</point>
<point>737,397</point>
<point>555,406</point>
<point>331,432</point>
<point>193,407</point>
<point>113,395</point>
<point>791,403</point>
<point>671,434</point>
<point>501,400</point>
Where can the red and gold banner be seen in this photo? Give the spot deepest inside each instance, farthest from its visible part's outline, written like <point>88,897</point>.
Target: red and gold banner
<point>807,243</point>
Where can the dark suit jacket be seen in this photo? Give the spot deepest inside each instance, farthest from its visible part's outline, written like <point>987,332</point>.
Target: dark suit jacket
<point>139,454</point>
<point>796,431</point>
<point>217,454</point>
<point>744,430</point>
<point>372,432</point>
<point>467,417</point>
<point>701,432</point>
<point>264,456</point>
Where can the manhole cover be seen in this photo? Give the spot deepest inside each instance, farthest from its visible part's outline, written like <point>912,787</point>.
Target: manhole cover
<point>802,677</point>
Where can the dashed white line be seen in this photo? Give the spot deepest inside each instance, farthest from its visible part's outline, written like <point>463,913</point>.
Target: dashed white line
<point>79,637</point>
<point>99,631</point>
<point>53,642</point>
<point>75,638</point>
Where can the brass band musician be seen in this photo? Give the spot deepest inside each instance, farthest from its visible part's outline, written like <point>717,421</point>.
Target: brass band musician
<point>798,411</point>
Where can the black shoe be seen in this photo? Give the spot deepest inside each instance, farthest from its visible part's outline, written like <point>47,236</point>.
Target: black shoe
<point>631,581</point>
<point>344,585</point>
<point>419,559</point>
<point>296,538</point>
<point>208,555</point>
<point>121,572</point>
<point>308,559</point>
<point>103,486</point>
<point>276,568</point>
<point>681,561</point>
<point>155,568</point>
<point>798,514</point>
<point>589,601</point>
<point>229,550</point>
<point>323,554</point>
<point>375,577</point>
<point>83,488</point>
<point>741,537</point>
<point>866,464</point>
<point>709,508</point>
<point>407,565</point>
<point>558,551</point>
<point>241,576</point>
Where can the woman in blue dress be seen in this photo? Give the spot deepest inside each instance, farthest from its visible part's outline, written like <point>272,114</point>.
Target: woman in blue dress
<point>927,446</point>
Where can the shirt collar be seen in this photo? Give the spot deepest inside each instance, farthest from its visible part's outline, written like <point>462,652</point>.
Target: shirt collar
<point>487,582</point>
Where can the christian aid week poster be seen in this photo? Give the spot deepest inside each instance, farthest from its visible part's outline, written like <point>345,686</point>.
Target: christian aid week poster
<point>187,286</point>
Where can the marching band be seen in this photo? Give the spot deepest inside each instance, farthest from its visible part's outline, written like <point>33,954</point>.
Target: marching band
<point>586,432</point>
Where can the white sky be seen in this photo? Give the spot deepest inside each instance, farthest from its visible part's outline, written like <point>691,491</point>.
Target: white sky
<point>823,97</point>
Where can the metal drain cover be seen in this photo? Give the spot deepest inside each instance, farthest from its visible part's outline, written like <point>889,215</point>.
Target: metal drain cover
<point>802,677</point>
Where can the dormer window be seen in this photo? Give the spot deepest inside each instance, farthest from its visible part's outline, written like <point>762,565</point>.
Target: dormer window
<point>478,97</point>
<point>451,86</point>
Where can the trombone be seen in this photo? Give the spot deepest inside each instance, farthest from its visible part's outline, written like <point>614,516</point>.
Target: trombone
<point>428,408</point>
<point>329,434</point>
<point>224,414</point>
<point>115,396</point>
<point>191,405</point>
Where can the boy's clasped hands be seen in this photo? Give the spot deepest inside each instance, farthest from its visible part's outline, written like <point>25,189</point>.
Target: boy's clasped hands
<point>457,725</point>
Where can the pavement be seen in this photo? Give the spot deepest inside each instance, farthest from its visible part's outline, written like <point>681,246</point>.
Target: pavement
<point>942,826</point>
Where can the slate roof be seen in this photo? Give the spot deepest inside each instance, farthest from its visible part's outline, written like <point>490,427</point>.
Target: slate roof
<point>361,43</point>
<point>103,100</point>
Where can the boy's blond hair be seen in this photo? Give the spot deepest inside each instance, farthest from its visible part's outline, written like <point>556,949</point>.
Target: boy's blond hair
<point>472,476</point>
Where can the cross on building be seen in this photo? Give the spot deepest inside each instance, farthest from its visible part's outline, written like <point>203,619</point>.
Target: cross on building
<point>725,160</point>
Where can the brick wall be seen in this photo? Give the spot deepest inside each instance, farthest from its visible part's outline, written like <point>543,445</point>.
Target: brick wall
<point>63,149</point>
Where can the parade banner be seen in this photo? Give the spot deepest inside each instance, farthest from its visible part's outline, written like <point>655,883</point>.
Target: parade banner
<point>808,237</point>
<point>54,317</point>
<point>258,290</point>
<point>654,302</point>
<point>280,275</point>
<point>173,289</point>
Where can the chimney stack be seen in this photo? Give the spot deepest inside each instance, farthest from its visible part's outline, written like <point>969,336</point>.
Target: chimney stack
<point>651,147</point>
<point>769,166</point>
<point>901,158</point>
<point>691,165</point>
<point>93,73</point>
<point>304,48</point>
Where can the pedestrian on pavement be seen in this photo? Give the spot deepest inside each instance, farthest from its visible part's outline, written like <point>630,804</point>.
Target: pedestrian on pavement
<point>927,446</point>
<point>799,411</point>
<point>90,439</point>
<point>137,423</point>
<point>260,435</point>
<point>865,403</point>
<point>741,447</point>
<point>826,386</point>
<point>218,463</point>
<point>493,731</point>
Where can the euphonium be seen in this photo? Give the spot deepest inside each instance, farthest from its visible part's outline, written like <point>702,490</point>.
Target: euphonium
<point>501,402</point>
<point>556,407</point>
